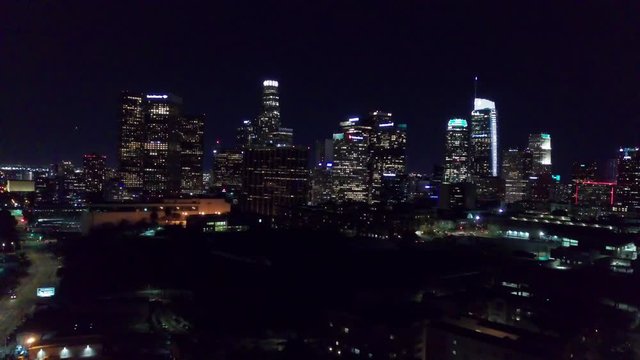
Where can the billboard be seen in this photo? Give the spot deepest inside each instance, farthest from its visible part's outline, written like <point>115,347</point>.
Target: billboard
<point>46,292</point>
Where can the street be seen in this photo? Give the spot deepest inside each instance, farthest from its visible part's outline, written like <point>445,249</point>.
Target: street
<point>41,273</point>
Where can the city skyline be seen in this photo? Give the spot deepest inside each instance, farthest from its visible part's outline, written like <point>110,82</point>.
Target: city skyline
<point>415,79</point>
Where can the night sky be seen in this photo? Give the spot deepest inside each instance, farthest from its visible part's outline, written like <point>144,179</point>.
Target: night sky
<point>572,70</point>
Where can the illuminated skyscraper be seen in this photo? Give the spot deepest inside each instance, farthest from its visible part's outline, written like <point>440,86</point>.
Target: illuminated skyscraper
<point>456,158</point>
<point>388,163</point>
<point>627,195</point>
<point>516,170</point>
<point>484,139</point>
<point>351,180</point>
<point>93,166</point>
<point>191,154</point>
<point>132,138</point>
<point>540,146</point>
<point>161,175</point>
<point>226,172</point>
<point>268,122</point>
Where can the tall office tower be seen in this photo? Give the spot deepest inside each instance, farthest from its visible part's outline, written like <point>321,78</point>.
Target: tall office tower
<point>268,122</point>
<point>516,169</point>
<point>321,188</point>
<point>132,139</point>
<point>627,195</point>
<point>226,172</point>
<point>68,185</point>
<point>540,146</point>
<point>191,130</point>
<point>483,139</point>
<point>275,179</point>
<point>246,134</point>
<point>456,158</point>
<point>351,181</point>
<point>584,171</point>
<point>388,163</point>
<point>161,160</point>
<point>94,172</point>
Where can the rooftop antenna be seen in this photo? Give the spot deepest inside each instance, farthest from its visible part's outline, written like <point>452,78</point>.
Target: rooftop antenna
<point>475,88</point>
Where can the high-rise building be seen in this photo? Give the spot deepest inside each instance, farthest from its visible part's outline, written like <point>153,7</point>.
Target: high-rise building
<point>132,139</point>
<point>388,163</point>
<point>268,122</point>
<point>516,170</point>
<point>484,139</point>
<point>226,172</point>
<point>540,146</point>
<point>321,172</point>
<point>456,158</point>
<point>274,179</point>
<point>351,180</point>
<point>94,172</point>
<point>160,151</point>
<point>246,134</point>
<point>161,160</point>
<point>191,129</point>
<point>627,195</point>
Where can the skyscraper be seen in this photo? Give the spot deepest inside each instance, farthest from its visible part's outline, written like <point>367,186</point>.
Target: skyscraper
<point>160,150</point>
<point>226,172</point>
<point>484,139</point>
<point>274,179</point>
<point>268,122</point>
<point>627,195</point>
<point>388,163</point>
<point>191,153</point>
<point>540,146</point>
<point>321,172</point>
<point>246,134</point>
<point>351,180</point>
<point>132,138</point>
<point>94,172</point>
<point>516,170</point>
<point>161,160</point>
<point>456,158</point>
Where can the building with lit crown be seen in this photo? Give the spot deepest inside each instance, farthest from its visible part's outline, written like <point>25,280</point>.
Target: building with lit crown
<point>388,163</point>
<point>483,132</point>
<point>627,197</point>
<point>540,146</point>
<point>456,158</point>
<point>132,138</point>
<point>351,180</point>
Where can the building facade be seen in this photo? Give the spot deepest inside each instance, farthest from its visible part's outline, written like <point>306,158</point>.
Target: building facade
<point>274,179</point>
